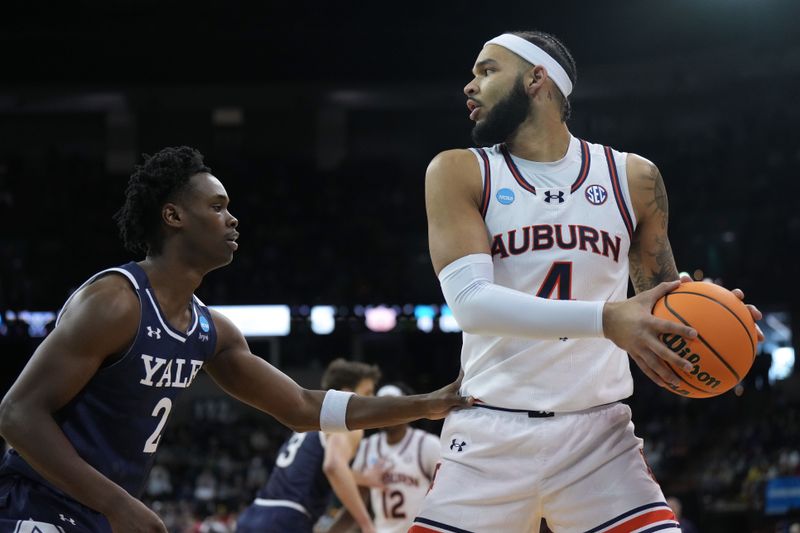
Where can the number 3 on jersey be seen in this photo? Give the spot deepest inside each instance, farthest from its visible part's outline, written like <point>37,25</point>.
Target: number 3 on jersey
<point>560,276</point>
<point>287,457</point>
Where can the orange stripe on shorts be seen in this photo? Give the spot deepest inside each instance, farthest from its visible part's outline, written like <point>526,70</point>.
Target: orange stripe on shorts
<point>642,520</point>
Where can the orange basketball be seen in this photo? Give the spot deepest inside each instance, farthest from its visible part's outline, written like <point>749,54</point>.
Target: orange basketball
<point>725,347</point>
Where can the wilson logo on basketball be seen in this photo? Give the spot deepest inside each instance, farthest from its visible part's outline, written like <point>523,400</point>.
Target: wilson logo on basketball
<point>726,342</point>
<point>678,344</point>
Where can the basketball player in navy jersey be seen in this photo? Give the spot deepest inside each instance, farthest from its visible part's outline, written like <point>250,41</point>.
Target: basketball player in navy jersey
<point>310,464</point>
<point>85,416</point>
<point>533,236</point>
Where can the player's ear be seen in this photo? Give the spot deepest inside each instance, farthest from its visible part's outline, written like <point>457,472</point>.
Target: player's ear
<point>534,79</point>
<point>172,215</point>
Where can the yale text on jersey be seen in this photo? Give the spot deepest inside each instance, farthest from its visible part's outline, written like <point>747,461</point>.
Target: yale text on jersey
<point>177,373</point>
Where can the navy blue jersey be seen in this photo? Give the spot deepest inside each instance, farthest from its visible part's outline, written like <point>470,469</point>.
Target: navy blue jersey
<point>298,476</point>
<point>116,421</point>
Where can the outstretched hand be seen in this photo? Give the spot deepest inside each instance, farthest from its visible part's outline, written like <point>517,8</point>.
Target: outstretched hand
<point>448,398</point>
<point>631,325</point>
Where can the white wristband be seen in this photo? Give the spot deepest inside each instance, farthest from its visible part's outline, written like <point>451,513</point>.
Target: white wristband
<point>333,415</point>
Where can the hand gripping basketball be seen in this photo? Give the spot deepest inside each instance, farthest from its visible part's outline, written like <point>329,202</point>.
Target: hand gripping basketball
<point>631,326</point>
<point>727,340</point>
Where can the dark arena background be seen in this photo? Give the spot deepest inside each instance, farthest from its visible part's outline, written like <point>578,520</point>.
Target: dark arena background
<point>320,119</point>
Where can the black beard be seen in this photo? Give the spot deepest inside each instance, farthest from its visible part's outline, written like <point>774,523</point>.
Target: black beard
<point>504,119</point>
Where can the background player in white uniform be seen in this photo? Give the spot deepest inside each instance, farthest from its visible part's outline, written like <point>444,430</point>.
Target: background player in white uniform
<point>397,464</point>
<point>408,458</point>
<point>532,239</point>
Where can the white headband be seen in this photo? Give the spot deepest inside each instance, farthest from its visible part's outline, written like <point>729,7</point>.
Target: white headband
<point>535,55</point>
<point>390,390</point>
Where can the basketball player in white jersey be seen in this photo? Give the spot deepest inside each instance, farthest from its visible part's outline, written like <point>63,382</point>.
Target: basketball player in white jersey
<point>409,456</point>
<point>532,238</point>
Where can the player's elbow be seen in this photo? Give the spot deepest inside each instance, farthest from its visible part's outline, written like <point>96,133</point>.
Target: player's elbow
<point>332,466</point>
<point>305,414</point>
<point>11,419</point>
<point>466,315</point>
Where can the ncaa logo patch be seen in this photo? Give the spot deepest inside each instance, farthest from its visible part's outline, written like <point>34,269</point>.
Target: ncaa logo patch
<point>204,324</point>
<point>505,196</point>
<point>596,194</point>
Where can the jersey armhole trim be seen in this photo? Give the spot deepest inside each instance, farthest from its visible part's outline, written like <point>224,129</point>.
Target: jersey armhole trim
<point>486,172</point>
<point>94,278</point>
<point>618,196</point>
<point>586,163</point>
<point>123,355</point>
<point>624,185</point>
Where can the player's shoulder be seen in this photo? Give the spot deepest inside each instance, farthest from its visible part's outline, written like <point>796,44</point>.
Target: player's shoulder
<point>453,170</point>
<point>101,318</point>
<point>453,162</point>
<point>372,438</point>
<point>428,437</point>
<point>110,299</point>
<point>640,168</point>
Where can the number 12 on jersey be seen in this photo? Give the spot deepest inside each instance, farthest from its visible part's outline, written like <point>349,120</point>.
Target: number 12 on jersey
<point>560,275</point>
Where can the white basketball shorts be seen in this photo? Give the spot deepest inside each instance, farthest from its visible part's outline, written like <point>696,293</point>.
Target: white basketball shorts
<point>501,472</point>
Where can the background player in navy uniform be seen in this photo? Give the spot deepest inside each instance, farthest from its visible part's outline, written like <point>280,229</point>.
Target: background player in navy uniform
<point>85,415</point>
<point>310,464</point>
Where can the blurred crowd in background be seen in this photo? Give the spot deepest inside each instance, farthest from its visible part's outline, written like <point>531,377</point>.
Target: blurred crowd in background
<point>324,162</point>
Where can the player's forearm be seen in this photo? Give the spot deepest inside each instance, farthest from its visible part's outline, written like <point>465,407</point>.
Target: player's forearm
<point>482,307</point>
<point>365,413</point>
<point>343,484</point>
<point>38,439</point>
<point>650,267</point>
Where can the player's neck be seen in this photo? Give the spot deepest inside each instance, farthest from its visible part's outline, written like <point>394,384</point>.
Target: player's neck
<point>543,140</point>
<point>396,434</point>
<point>172,281</point>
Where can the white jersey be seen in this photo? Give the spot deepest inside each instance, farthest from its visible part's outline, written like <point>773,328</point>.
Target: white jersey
<point>559,230</point>
<point>412,462</point>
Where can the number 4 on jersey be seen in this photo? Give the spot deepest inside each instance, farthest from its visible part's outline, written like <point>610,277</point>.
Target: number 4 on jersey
<point>560,276</point>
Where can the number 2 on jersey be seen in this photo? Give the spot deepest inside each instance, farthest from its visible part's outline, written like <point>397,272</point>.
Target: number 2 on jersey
<point>560,276</point>
<point>165,405</point>
<point>396,499</point>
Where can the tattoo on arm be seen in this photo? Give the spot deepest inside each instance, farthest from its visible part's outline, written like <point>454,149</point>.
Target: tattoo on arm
<point>659,202</point>
<point>652,262</point>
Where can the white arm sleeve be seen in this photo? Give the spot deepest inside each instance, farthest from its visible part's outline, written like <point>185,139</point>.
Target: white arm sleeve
<point>482,307</point>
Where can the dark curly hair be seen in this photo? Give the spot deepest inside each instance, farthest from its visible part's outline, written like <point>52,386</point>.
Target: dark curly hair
<point>559,52</point>
<point>158,180</point>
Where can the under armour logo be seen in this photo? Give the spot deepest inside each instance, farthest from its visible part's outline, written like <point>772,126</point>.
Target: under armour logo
<point>455,444</point>
<point>66,519</point>
<point>154,332</point>
<point>550,196</point>
<point>563,339</point>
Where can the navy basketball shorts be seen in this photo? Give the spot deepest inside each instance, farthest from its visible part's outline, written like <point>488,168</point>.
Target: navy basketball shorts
<point>582,471</point>
<point>27,507</point>
<point>257,519</point>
